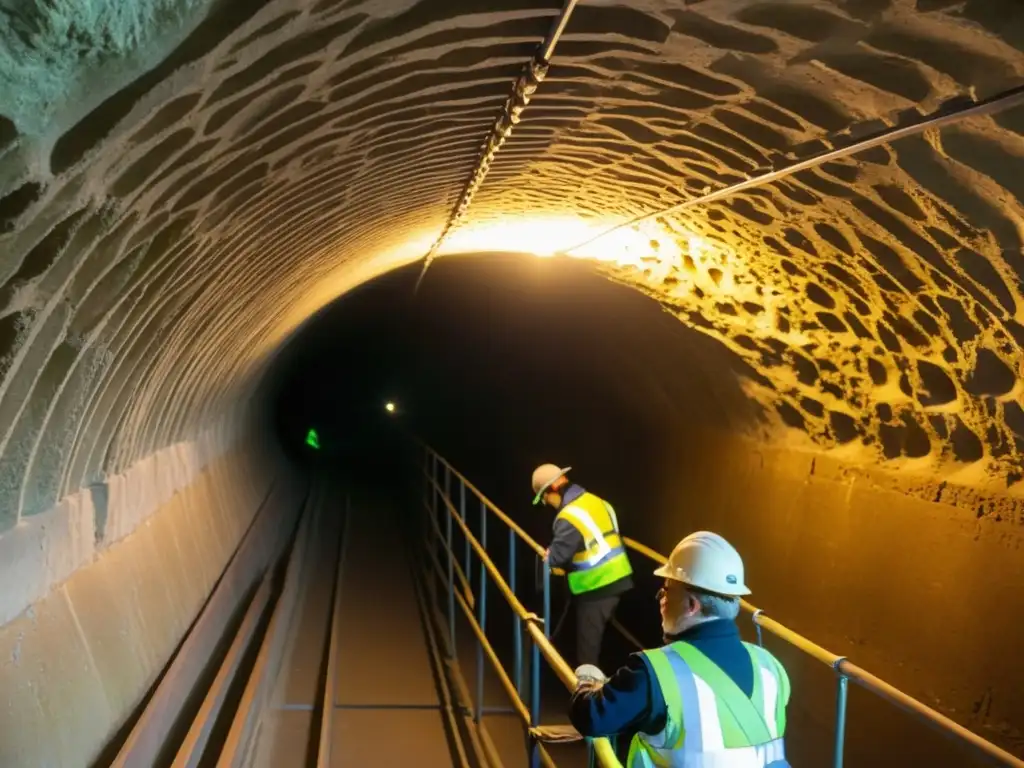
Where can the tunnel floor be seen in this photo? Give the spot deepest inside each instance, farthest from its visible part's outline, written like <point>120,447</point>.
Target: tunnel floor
<point>385,682</point>
<point>389,701</point>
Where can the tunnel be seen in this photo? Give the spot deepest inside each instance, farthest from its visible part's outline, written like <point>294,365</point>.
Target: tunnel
<point>748,266</point>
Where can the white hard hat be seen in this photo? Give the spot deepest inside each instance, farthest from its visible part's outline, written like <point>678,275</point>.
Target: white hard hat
<point>707,561</point>
<point>543,478</point>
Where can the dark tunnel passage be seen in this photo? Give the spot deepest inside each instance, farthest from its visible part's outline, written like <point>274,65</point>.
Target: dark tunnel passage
<point>792,314</point>
<point>504,362</point>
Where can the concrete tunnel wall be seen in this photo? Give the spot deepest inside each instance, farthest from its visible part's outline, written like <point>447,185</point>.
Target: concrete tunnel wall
<point>183,182</point>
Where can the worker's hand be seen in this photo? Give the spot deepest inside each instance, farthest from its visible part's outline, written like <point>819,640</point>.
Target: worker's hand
<point>589,678</point>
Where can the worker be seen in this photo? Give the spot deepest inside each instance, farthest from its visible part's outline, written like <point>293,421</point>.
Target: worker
<point>587,546</point>
<point>704,699</point>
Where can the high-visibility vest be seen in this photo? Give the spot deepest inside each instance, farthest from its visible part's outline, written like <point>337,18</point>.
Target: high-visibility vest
<point>711,723</point>
<point>603,559</point>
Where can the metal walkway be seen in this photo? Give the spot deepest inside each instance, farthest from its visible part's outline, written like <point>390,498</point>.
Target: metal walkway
<point>334,663</point>
<point>367,633</point>
<point>384,685</point>
<point>388,634</point>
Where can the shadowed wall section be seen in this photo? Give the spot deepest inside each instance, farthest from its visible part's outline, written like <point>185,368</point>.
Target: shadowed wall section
<point>184,183</point>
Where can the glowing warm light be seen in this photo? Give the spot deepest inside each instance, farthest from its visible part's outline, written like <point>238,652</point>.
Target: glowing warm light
<point>646,245</point>
<point>390,407</point>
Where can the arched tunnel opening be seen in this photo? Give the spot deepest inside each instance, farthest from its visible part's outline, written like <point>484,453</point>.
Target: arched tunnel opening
<point>748,267</point>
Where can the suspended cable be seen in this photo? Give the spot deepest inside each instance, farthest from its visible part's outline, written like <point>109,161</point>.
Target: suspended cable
<point>525,85</point>
<point>937,119</point>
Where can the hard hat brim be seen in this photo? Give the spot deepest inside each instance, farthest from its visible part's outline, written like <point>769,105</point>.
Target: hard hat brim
<point>665,573</point>
<point>543,489</point>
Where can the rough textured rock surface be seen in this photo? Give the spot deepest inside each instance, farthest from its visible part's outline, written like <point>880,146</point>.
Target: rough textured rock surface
<point>181,188</point>
<point>170,225</point>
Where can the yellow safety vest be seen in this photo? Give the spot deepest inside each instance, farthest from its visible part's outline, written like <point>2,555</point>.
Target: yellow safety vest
<point>710,722</point>
<point>603,560</point>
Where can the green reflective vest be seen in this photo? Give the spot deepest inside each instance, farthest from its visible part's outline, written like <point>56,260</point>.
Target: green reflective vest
<point>603,559</point>
<point>710,722</point>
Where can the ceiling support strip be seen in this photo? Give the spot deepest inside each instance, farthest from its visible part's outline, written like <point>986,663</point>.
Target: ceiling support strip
<point>526,84</point>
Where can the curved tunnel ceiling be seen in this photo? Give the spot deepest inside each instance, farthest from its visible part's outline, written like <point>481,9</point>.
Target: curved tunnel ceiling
<point>183,183</point>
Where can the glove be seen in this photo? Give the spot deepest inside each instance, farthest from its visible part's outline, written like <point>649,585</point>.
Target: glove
<point>589,677</point>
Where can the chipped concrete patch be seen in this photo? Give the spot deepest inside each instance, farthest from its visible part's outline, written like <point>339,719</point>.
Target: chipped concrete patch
<point>42,551</point>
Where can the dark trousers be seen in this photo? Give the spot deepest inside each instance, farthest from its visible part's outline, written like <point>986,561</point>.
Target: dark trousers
<point>592,617</point>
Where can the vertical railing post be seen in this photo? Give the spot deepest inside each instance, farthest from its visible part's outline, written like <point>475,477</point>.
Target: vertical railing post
<point>840,735</point>
<point>464,516</point>
<point>428,476</point>
<point>481,617</point>
<point>451,563</point>
<point>431,510</point>
<point>517,624</point>
<point>535,670</point>
<point>426,495</point>
<point>462,511</point>
<point>547,599</point>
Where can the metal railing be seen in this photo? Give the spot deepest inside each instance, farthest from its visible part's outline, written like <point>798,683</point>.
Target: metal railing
<point>539,627</point>
<point>845,671</point>
<point>474,606</point>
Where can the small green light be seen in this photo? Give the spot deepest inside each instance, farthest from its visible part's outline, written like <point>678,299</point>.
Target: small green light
<point>313,439</point>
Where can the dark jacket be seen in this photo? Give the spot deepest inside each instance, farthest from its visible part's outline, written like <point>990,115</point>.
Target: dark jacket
<point>566,541</point>
<point>632,700</point>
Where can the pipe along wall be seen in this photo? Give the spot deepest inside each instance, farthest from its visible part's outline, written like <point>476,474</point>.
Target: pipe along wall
<point>826,368</point>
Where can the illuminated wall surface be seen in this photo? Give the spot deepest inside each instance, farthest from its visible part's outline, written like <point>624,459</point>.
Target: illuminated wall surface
<point>184,182</point>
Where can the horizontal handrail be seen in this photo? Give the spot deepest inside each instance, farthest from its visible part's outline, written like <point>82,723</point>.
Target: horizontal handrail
<point>463,579</point>
<point>466,589</point>
<point>508,521</point>
<point>602,747</point>
<point>491,505</point>
<point>904,701</point>
<point>863,678</point>
<point>492,569</point>
<point>506,682</point>
<point>444,685</point>
<point>777,629</point>
<point>643,549</point>
<point>843,667</point>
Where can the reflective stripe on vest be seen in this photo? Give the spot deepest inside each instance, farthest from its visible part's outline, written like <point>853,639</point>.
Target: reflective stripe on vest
<point>603,559</point>
<point>710,723</point>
